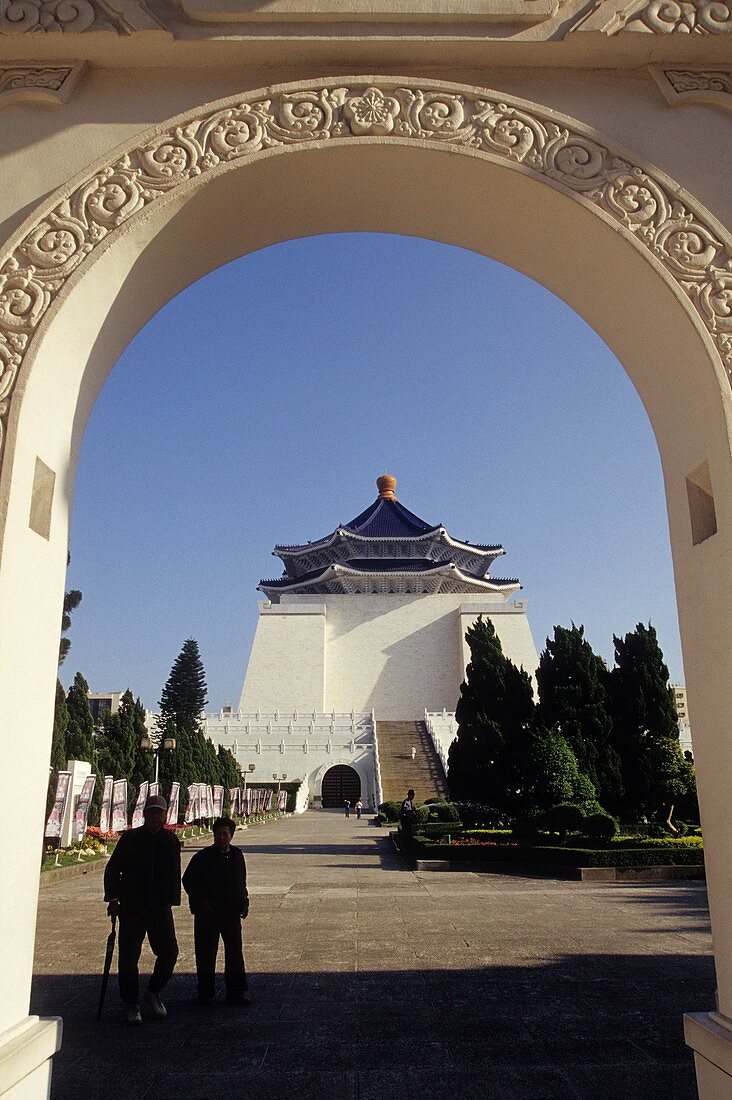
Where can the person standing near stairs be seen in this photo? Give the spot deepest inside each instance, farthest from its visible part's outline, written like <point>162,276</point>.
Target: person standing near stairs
<point>406,817</point>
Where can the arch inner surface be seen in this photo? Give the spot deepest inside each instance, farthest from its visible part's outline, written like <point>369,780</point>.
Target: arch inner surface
<point>522,186</point>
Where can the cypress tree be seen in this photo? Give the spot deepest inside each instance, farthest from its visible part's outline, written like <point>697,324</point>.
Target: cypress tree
<point>80,728</point>
<point>494,714</point>
<point>58,743</point>
<point>645,727</point>
<point>143,765</point>
<point>551,774</point>
<point>574,701</point>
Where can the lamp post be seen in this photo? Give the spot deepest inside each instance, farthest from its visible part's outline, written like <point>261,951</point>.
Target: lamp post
<point>167,744</point>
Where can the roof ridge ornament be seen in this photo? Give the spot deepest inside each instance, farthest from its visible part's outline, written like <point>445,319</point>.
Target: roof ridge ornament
<point>386,484</point>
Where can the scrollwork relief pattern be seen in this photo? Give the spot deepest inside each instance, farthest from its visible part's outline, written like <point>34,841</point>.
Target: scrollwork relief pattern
<point>684,80</point>
<point>671,231</point>
<point>705,17</point>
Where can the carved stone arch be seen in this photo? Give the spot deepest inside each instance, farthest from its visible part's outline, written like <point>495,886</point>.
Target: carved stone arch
<point>688,248</point>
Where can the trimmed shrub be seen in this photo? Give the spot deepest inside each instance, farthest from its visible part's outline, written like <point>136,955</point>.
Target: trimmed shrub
<point>390,810</point>
<point>476,815</point>
<point>421,814</point>
<point>600,826</point>
<point>444,811</point>
<point>435,800</point>
<point>564,857</point>
<point>564,818</point>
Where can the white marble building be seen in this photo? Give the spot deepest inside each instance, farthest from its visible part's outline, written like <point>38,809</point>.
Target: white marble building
<point>373,616</point>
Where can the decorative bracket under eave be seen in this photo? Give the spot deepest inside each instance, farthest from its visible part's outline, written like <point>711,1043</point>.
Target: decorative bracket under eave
<point>50,85</point>
<point>694,85</point>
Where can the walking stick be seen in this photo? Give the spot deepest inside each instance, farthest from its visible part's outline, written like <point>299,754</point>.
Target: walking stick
<point>107,966</point>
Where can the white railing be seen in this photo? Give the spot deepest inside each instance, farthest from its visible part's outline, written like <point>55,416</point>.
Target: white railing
<point>378,791</point>
<point>442,728</point>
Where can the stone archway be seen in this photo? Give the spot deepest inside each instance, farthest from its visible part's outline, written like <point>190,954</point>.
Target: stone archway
<point>339,783</point>
<point>483,170</point>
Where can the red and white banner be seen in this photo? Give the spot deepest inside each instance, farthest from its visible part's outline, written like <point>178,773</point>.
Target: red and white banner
<point>233,800</point>
<point>245,802</point>
<point>192,804</point>
<point>154,789</point>
<point>268,799</point>
<point>218,801</point>
<point>119,805</point>
<point>81,813</point>
<point>282,800</point>
<point>106,813</point>
<point>56,816</point>
<point>209,802</point>
<point>138,816</point>
<point>172,815</point>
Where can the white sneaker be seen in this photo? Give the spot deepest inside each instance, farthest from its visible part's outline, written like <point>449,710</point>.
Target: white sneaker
<point>155,1005</point>
<point>134,1016</point>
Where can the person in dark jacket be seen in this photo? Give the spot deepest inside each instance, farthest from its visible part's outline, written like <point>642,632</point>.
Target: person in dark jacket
<point>141,884</point>
<point>216,883</point>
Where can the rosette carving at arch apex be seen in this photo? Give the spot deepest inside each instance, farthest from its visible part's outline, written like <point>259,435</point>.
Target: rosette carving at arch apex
<point>677,235</point>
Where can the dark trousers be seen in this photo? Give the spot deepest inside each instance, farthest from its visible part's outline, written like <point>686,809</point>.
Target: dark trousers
<point>207,929</point>
<point>134,925</point>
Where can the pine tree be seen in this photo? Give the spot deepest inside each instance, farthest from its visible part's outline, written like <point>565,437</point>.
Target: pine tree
<point>645,727</point>
<point>181,703</point>
<point>574,701</point>
<point>494,714</point>
<point>72,599</point>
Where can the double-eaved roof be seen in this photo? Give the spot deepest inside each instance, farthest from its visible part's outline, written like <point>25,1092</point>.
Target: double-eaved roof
<point>388,549</point>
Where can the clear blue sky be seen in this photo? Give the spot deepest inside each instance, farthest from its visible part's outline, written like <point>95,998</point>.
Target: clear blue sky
<point>260,405</point>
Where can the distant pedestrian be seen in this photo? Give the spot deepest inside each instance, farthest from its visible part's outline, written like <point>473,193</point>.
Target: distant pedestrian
<point>414,752</point>
<point>216,883</point>
<point>359,807</point>
<point>347,806</point>
<point>141,884</point>
<point>407,816</point>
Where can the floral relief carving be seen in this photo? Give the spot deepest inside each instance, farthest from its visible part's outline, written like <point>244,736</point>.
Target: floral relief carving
<point>672,232</point>
<point>73,16</point>
<point>680,17</point>
<point>38,83</point>
<point>694,85</point>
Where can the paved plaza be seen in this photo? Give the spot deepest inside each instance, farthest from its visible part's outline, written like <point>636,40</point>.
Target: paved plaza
<point>373,982</point>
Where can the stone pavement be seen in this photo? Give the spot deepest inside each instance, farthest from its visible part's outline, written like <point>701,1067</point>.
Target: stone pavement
<point>372,982</point>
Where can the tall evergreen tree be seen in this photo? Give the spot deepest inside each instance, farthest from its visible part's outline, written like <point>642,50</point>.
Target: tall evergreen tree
<point>181,703</point>
<point>573,700</point>
<point>72,599</point>
<point>58,743</point>
<point>143,766</point>
<point>229,774</point>
<point>80,728</point>
<point>494,715</point>
<point>645,727</point>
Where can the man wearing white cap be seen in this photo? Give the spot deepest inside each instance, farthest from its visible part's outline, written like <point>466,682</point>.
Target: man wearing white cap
<point>141,884</point>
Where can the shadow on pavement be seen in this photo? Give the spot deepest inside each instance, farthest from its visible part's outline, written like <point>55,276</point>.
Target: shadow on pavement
<point>583,1027</point>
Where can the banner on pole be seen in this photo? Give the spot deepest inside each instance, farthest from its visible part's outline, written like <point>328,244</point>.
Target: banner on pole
<point>209,802</point>
<point>172,815</point>
<point>233,800</point>
<point>154,789</point>
<point>282,800</point>
<point>192,798</point>
<point>56,816</point>
<point>119,805</point>
<point>106,814</point>
<point>138,816</point>
<point>218,801</point>
<point>267,799</point>
<point>81,813</point>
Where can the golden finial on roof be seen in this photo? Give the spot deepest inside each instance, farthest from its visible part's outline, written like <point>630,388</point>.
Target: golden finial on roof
<point>386,484</point>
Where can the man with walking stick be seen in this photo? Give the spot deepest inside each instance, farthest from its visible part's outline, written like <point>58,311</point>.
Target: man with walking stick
<point>141,884</point>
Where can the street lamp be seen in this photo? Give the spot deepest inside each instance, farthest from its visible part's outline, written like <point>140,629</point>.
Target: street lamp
<point>166,745</point>
<point>280,779</point>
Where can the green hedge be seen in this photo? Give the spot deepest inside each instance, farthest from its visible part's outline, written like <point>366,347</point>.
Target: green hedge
<point>564,857</point>
<point>438,828</point>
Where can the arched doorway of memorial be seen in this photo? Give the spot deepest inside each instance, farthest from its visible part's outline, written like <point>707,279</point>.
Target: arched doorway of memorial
<point>340,782</point>
<point>80,287</point>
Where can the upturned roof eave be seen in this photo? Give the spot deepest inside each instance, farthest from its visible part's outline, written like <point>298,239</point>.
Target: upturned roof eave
<point>287,584</point>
